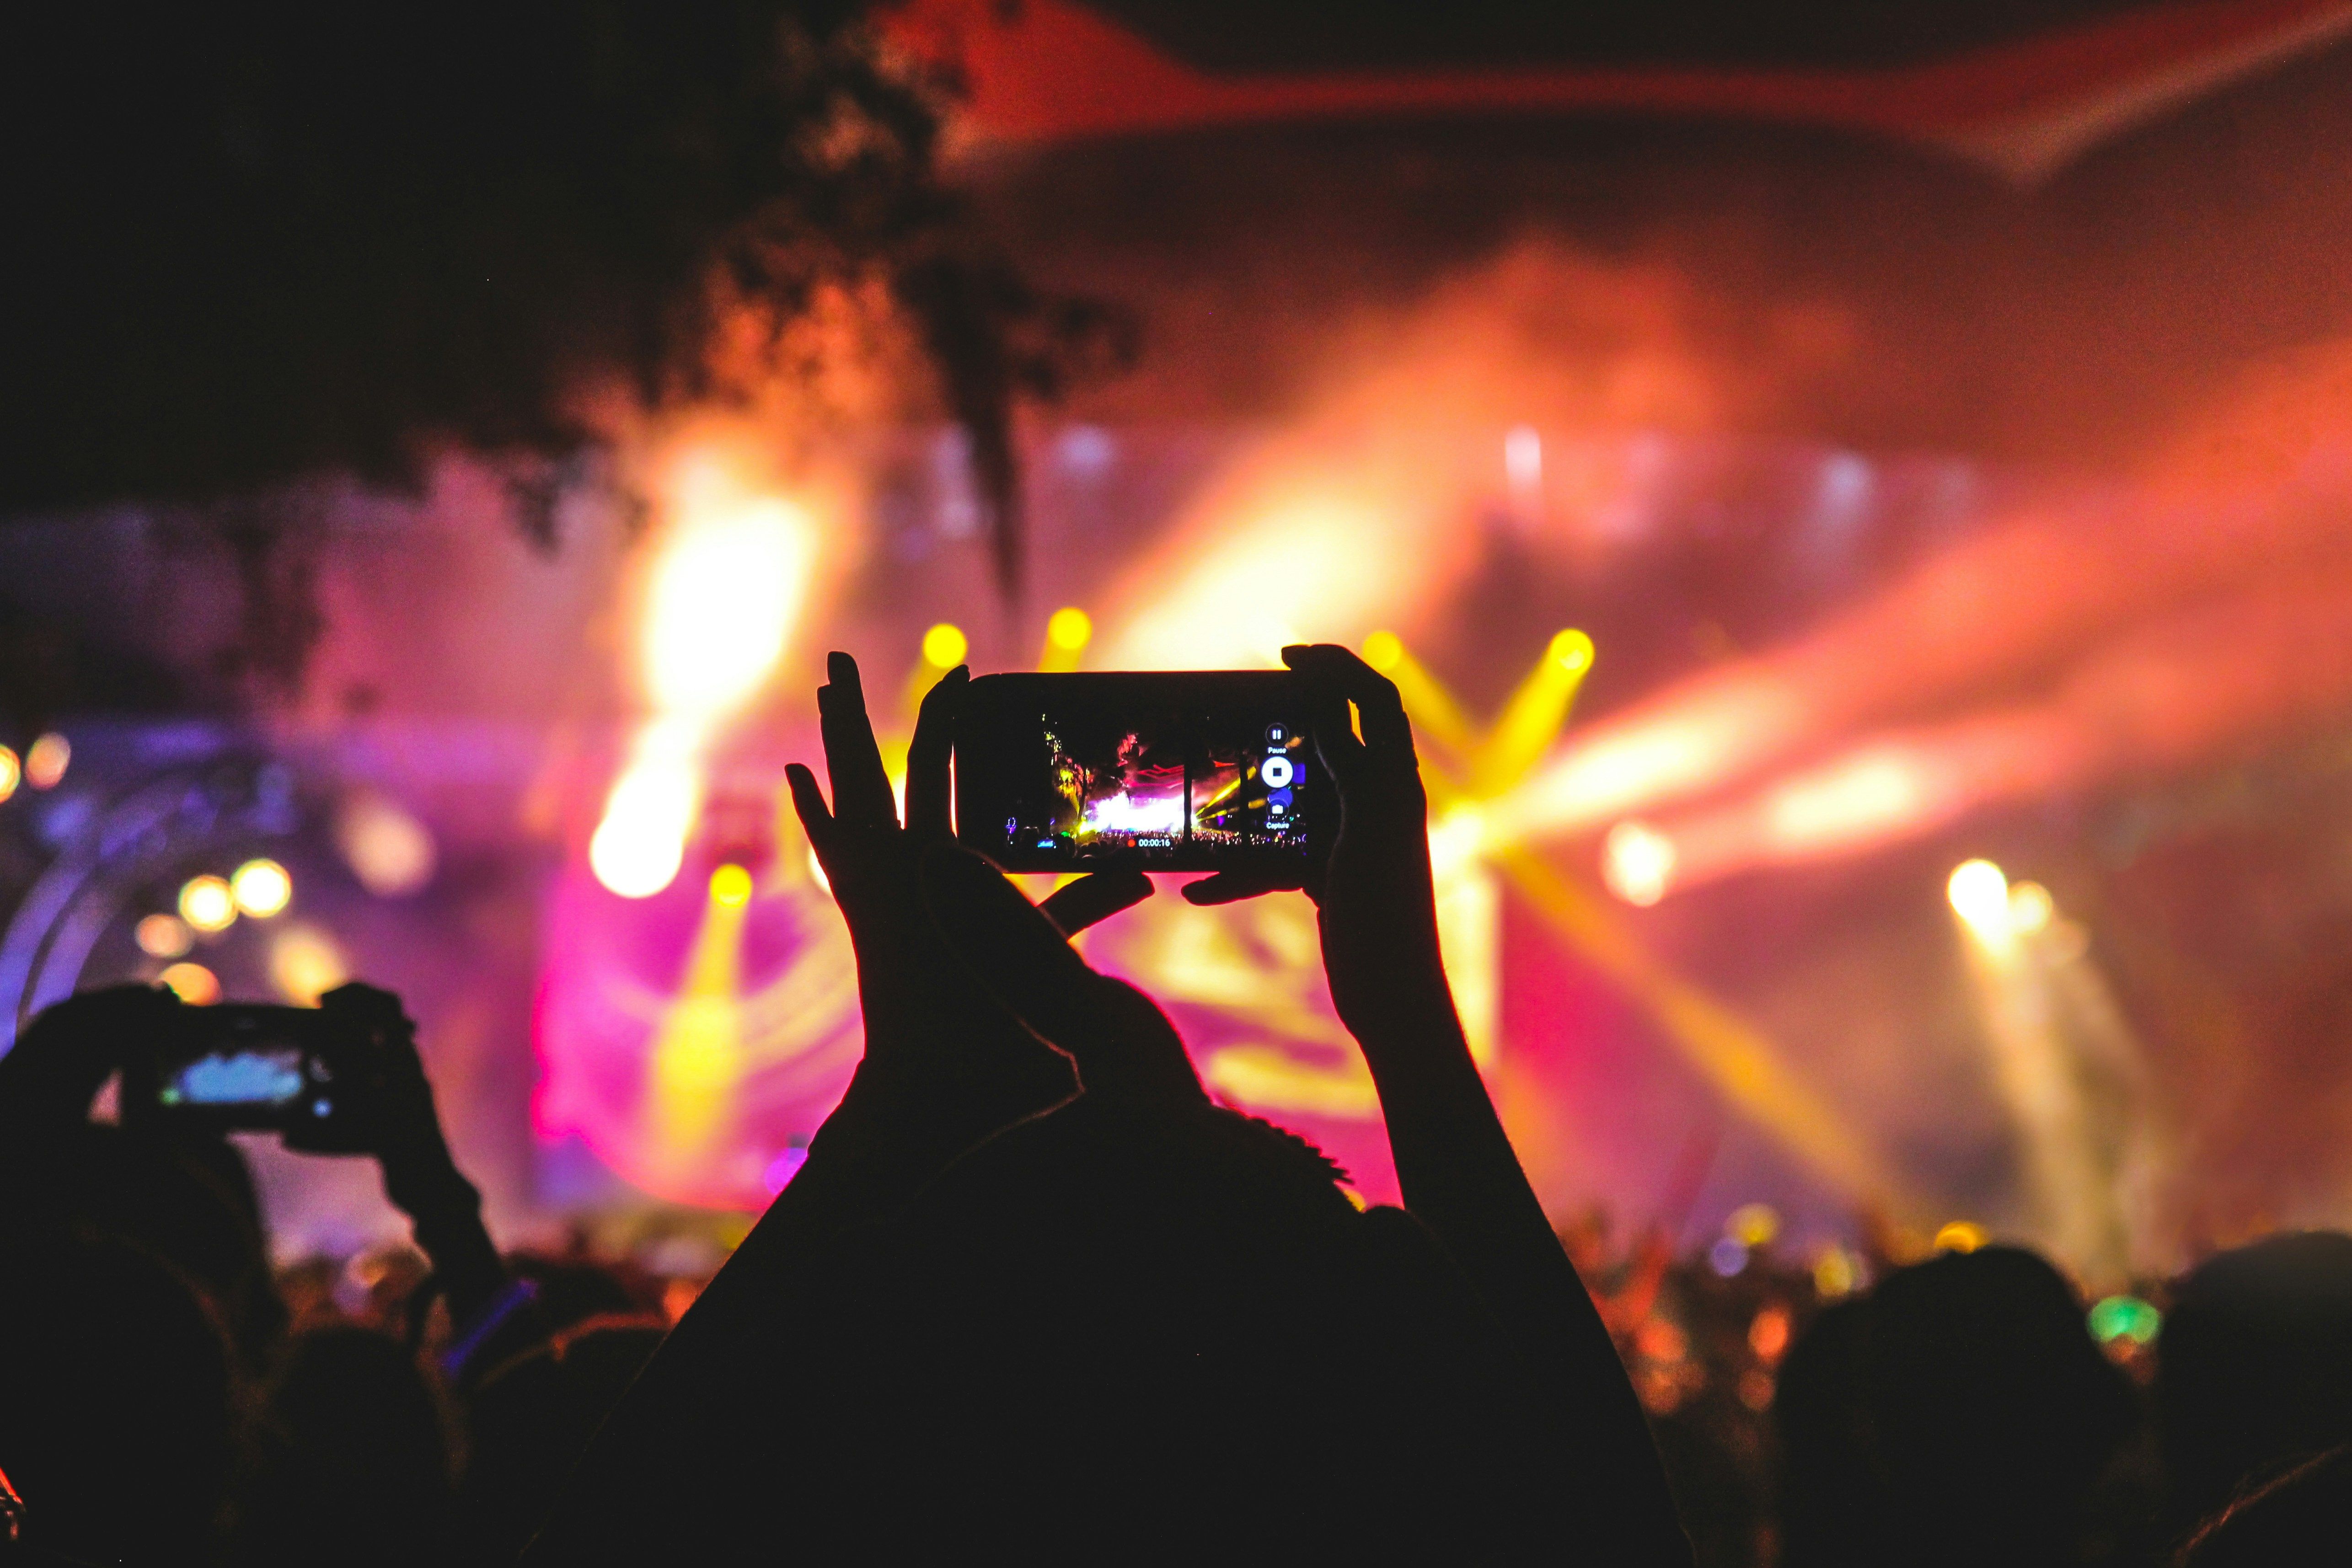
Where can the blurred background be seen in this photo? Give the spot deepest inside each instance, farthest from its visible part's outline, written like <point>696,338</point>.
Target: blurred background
<point>1858,499</point>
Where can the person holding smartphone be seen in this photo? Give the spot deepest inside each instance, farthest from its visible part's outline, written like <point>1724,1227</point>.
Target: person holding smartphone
<point>1032,1289</point>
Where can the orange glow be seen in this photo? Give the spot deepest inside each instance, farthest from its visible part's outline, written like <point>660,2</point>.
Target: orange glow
<point>46,760</point>
<point>193,984</point>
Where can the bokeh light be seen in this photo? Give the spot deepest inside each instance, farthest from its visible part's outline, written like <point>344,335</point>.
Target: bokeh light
<point>1637,861</point>
<point>305,964</point>
<point>1070,629</point>
<point>2031,907</point>
<point>1755,1224</point>
<point>262,888</point>
<point>944,646</point>
<point>46,760</point>
<point>11,771</point>
<point>2124,1317</point>
<point>1382,650</point>
<point>1979,896</point>
<point>163,936</point>
<point>730,885</point>
<point>207,904</point>
<point>192,983</point>
<point>1960,1236</point>
<point>388,849</point>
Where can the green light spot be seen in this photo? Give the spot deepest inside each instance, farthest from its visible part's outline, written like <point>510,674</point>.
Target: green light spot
<point>2124,1317</point>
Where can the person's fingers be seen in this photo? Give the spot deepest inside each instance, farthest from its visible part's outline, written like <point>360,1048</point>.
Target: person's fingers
<point>1335,738</point>
<point>1378,705</point>
<point>861,786</point>
<point>1121,1042</point>
<point>1091,900</point>
<point>816,821</point>
<point>1232,886</point>
<point>928,796</point>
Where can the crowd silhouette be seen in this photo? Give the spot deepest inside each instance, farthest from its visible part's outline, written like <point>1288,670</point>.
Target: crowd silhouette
<point>1033,1289</point>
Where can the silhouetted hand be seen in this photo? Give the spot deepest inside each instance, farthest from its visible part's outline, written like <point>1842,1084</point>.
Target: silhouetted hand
<point>1020,954</point>
<point>941,1055</point>
<point>384,1108</point>
<point>67,1053</point>
<point>1377,907</point>
<point>1376,903</point>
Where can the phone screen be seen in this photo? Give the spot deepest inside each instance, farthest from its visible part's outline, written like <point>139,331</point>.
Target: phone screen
<point>235,1078</point>
<point>1168,772</point>
<point>234,1066</point>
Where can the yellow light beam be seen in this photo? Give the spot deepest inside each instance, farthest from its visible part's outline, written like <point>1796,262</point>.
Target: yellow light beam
<point>1535,716</point>
<point>697,1054</point>
<point>1067,632</point>
<point>1434,713</point>
<point>1737,1058</point>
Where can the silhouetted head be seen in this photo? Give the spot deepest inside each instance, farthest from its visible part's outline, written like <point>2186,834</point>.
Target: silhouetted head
<point>188,1201</point>
<point>2300,1519</point>
<point>114,1401</point>
<point>2254,1370</point>
<point>532,1418</point>
<point>353,1463</point>
<point>1964,1410</point>
<point>1124,1318</point>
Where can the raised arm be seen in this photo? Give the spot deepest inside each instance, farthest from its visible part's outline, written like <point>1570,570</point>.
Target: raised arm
<point>1459,1175</point>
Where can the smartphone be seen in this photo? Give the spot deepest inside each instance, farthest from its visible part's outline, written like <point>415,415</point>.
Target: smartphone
<point>236,1067</point>
<point>1209,770</point>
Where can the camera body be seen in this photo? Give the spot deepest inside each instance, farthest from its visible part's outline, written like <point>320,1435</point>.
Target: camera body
<point>237,1067</point>
<point>1210,770</point>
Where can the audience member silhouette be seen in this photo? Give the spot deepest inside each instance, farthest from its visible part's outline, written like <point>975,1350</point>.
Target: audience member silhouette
<point>115,1390</point>
<point>350,1459</point>
<point>2302,1519</point>
<point>2255,1368</point>
<point>1033,1289</point>
<point>1962,1413</point>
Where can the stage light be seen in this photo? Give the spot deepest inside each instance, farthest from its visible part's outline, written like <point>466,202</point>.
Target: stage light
<point>207,903</point>
<point>305,965</point>
<point>1960,1236</point>
<point>2031,907</point>
<point>1979,896</point>
<point>11,771</point>
<point>1573,650</point>
<point>730,884</point>
<point>1637,861</point>
<point>1755,1224</point>
<point>163,936</point>
<point>1382,650</point>
<point>192,983</point>
<point>638,847</point>
<point>698,1055</point>
<point>944,646</point>
<point>46,759</point>
<point>1768,1333</point>
<point>389,851</point>
<point>1070,629</point>
<point>1535,715</point>
<point>261,888</point>
<point>1727,1257</point>
<point>722,602</point>
<point>1456,840</point>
